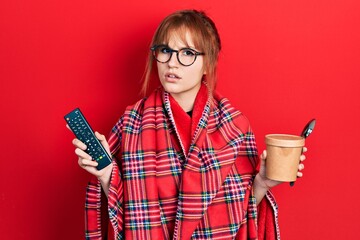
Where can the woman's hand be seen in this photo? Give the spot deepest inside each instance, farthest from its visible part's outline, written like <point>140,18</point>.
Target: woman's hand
<point>86,162</point>
<point>262,184</point>
<point>272,183</point>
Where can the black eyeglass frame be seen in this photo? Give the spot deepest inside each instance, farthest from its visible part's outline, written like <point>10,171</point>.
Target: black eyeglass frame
<point>153,49</point>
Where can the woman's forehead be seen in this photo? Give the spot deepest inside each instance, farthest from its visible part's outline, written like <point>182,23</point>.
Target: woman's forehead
<point>180,39</point>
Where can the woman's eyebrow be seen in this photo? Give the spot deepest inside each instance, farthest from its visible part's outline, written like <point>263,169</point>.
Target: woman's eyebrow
<point>183,46</point>
<point>189,46</point>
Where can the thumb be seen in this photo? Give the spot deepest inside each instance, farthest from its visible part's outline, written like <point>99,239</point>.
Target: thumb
<point>263,155</point>
<point>103,141</point>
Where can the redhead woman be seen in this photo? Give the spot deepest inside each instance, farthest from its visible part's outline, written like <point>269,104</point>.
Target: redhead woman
<point>185,163</point>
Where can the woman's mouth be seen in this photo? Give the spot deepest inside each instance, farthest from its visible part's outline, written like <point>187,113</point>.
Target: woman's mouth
<point>172,77</point>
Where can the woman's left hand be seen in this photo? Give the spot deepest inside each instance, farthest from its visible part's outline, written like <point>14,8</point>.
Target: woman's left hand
<point>268,183</point>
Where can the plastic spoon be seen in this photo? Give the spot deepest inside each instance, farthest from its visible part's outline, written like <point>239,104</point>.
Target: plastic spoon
<point>305,133</point>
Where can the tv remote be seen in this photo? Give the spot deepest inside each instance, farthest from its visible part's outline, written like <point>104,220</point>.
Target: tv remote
<point>82,130</point>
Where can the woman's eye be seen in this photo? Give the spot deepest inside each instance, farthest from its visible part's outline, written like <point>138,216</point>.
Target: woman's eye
<point>165,50</point>
<point>188,52</point>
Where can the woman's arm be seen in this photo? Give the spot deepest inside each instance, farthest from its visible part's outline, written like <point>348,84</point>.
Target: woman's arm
<point>85,161</point>
<point>260,189</point>
<point>262,184</point>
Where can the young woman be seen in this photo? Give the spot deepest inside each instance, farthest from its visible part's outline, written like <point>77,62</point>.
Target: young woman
<point>185,163</point>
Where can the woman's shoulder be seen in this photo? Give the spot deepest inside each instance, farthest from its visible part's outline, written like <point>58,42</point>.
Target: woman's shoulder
<point>228,113</point>
<point>146,101</point>
<point>137,105</point>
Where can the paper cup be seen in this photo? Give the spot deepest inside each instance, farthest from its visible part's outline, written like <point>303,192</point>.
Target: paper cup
<point>283,156</point>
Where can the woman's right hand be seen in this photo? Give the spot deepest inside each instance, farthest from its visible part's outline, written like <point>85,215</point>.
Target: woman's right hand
<point>85,161</point>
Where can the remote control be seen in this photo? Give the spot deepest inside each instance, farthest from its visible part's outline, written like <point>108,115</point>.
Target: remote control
<point>82,130</point>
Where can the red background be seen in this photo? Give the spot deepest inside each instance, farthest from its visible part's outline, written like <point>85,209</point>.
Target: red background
<point>283,63</point>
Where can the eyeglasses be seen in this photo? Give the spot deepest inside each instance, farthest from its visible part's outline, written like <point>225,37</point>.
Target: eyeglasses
<point>185,56</point>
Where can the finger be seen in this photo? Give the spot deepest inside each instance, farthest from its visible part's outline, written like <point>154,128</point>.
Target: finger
<point>302,158</point>
<point>299,174</point>
<point>304,149</point>
<point>100,137</point>
<point>263,155</point>
<point>103,141</point>
<point>82,154</point>
<point>87,163</point>
<point>79,144</point>
<point>301,166</point>
<point>67,126</point>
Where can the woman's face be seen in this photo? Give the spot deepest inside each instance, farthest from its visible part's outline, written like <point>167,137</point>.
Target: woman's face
<point>181,81</point>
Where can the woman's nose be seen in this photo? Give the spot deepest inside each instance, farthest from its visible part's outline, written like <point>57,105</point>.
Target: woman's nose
<point>173,62</point>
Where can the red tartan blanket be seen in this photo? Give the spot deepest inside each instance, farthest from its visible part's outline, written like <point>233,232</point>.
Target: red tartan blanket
<point>180,178</point>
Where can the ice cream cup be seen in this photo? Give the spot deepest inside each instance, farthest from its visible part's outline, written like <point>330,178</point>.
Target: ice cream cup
<point>283,156</point>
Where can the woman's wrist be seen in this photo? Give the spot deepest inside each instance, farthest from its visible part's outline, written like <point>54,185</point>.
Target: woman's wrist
<point>105,179</point>
<point>260,188</point>
<point>261,183</point>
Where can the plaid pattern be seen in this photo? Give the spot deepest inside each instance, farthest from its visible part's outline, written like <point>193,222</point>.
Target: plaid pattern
<point>158,193</point>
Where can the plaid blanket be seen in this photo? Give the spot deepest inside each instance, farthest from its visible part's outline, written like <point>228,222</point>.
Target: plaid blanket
<point>167,186</point>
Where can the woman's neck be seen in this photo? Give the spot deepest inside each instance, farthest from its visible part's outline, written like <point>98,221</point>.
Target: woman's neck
<point>186,102</point>
<point>186,99</point>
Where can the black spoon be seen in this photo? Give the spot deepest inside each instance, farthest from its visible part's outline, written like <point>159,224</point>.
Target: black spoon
<point>305,133</point>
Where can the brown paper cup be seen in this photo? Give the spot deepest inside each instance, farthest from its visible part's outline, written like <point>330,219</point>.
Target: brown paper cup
<point>283,156</point>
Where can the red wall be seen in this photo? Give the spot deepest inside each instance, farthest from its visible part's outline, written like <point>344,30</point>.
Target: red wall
<point>283,63</point>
